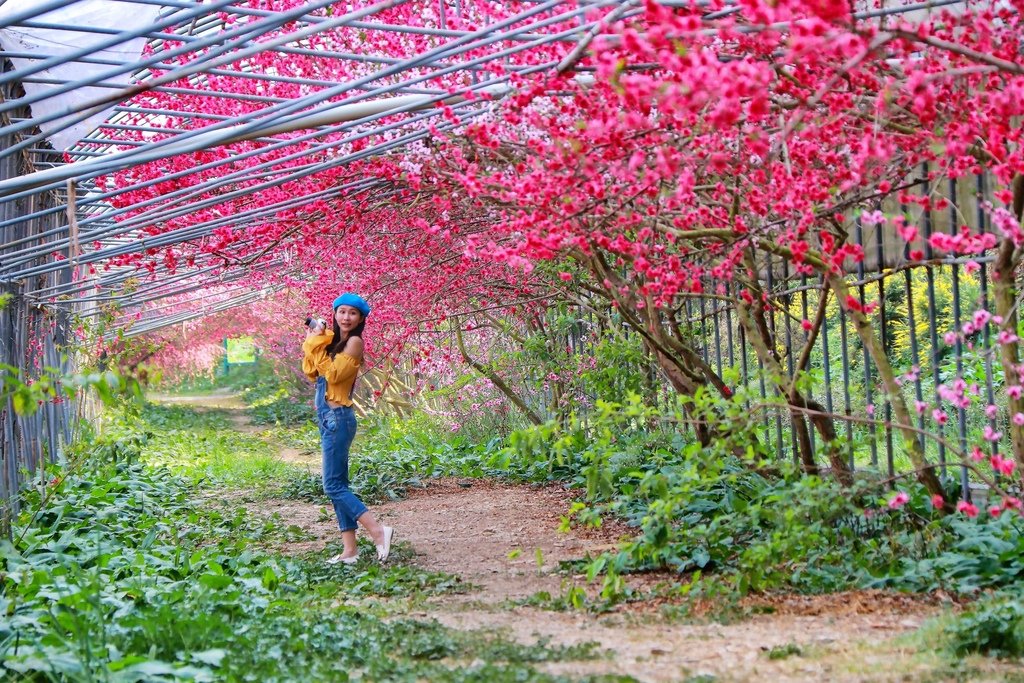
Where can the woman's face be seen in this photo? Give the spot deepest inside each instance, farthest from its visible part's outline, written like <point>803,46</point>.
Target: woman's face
<point>348,318</point>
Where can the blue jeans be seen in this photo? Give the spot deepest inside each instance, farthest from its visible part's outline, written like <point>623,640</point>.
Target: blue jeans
<point>337,429</point>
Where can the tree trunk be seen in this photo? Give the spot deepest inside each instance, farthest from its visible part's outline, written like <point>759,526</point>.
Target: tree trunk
<point>1005,293</point>
<point>753,319</point>
<point>496,380</point>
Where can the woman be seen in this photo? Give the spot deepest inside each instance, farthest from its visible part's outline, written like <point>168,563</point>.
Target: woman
<point>332,359</point>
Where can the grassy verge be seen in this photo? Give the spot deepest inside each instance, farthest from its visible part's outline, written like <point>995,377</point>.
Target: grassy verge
<point>118,572</point>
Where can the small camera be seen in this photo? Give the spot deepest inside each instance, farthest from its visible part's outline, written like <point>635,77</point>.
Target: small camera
<point>316,324</point>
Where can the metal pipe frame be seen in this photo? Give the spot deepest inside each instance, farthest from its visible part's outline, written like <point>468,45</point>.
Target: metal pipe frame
<point>422,78</point>
<point>287,111</point>
<point>240,130</point>
<point>220,46</point>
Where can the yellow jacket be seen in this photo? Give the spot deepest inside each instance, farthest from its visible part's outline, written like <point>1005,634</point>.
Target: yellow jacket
<point>339,373</point>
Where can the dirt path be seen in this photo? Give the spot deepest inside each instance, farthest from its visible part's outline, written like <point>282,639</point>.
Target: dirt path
<point>470,531</point>
<point>491,535</point>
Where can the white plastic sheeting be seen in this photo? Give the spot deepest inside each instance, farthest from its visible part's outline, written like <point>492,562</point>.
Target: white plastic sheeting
<point>47,42</point>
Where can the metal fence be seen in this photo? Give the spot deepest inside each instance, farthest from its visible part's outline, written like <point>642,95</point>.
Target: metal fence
<point>31,340</point>
<point>918,303</point>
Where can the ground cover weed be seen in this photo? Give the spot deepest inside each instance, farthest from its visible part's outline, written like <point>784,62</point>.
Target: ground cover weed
<point>125,576</point>
<point>994,626</point>
<point>729,516</point>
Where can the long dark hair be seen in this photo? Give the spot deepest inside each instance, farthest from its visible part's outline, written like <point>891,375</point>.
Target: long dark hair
<point>337,344</point>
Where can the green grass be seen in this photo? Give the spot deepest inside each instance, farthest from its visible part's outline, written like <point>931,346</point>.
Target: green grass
<point>202,446</point>
<point>120,572</point>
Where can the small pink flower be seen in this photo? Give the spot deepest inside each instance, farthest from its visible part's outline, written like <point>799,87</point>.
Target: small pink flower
<point>1006,337</point>
<point>920,406</point>
<point>870,409</point>
<point>938,502</point>
<point>977,455</point>
<point>1018,419</point>
<point>1003,465</point>
<point>908,232</point>
<point>995,510</point>
<point>1013,391</point>
<point>899,500</point>
<point>873,218</point>
<point>990,434</point>
<point>949,338</point>
<point>991,411</point>
<point>968,509</point>
<point>939,416</point>
<point>1011,502</point>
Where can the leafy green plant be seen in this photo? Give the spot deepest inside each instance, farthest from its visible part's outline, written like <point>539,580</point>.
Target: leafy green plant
<point>118,573</point>
<point>27,394</point>
<point>785,651</point>
<point>993,627</point>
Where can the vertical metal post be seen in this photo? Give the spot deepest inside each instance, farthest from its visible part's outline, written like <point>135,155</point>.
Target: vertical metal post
<point>728,329</point>
<point>882,313</point>
<point>718,337</point>
<point>803,308</point>
<point>865,355</point>
<point>780,451</point>
<point>986,338</point>
<point>958,348</point>
<point>932,315</point>
<point>847,410</point>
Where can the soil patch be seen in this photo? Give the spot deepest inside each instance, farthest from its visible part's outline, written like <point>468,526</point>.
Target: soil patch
<point>502,538</point>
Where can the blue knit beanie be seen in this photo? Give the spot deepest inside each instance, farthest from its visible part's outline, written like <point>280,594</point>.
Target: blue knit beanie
<point>355,301</point>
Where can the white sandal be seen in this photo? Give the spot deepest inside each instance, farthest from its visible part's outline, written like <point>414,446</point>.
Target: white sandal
<point>384,549</point>
<point>343,560</point>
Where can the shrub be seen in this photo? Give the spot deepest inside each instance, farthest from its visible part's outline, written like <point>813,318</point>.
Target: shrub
<point>994,627</point>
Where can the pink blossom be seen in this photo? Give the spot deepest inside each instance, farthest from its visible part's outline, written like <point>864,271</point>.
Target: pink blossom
<point>968,509</point>
<point>939,416</point>
<point>1013,391</point>
<point>990,434</point>
<point>938,502</point>
<point>1006,337</point>
<point>995,510</point>
<point>950,338</point>
<point>873,218</point>
<point>1002,465</point>
<point>898,501</point>
<point>907,232</point>
<point>991,410</point>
